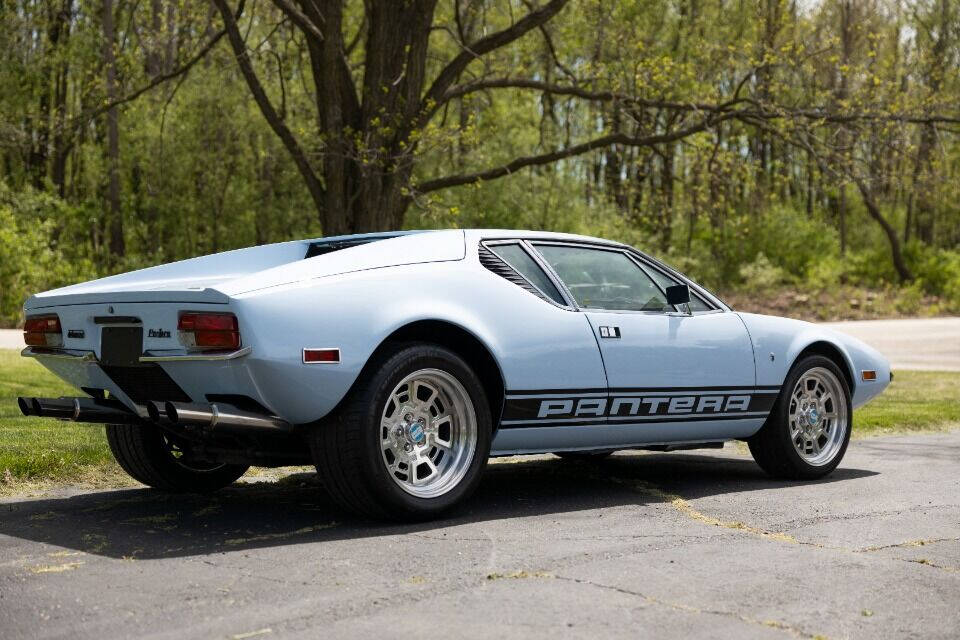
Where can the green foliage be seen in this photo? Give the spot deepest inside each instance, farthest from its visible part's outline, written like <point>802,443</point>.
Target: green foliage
<point>740,205</point>
<point>35,254</point>
<point>762,275</point>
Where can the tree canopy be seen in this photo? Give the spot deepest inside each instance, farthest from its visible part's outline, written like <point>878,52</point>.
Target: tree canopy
<point>821,136</point>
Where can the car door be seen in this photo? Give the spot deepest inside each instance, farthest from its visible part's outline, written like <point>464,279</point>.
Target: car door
<point>671,376</point>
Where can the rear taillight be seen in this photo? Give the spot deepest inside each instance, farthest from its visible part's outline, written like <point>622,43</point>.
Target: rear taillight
<point>43,331</point>
<point>209,331</point>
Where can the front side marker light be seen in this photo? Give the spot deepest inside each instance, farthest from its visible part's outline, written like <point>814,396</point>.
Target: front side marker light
<point>326,355</point>
<point>868,375</point>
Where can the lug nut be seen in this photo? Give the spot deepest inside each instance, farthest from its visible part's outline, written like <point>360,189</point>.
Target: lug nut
<point>421,420</point>
<point>408,417</point>
<point>408,447</point>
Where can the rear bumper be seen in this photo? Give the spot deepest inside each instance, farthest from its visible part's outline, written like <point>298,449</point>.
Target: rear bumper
<point>149,356</point>
<point>176,377</point>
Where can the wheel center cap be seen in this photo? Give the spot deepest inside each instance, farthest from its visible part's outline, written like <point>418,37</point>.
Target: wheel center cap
<point>813,416</point>
<point>416,433</point>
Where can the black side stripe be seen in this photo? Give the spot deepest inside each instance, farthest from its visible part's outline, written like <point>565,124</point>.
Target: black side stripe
<point>555,407</point>
<point>614,390</point>
<point>601,422</point>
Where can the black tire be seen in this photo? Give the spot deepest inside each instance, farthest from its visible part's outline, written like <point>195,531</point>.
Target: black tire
<point>588,456</point>
<point>146,455</point>
<point>772,446</point>
<point>347,446</point>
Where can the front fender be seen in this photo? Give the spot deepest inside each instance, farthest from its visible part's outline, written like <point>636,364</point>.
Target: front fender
<point>778,342</point>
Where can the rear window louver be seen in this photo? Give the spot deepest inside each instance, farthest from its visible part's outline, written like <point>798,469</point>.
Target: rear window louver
<point>494,263</point>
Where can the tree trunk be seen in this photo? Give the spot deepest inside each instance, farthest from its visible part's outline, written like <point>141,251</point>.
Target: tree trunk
<point>58,168</point>
<point>114,212</point>
<point>896,253</point>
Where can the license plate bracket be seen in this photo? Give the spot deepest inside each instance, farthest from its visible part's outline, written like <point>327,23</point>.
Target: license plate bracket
<point>121,346</point>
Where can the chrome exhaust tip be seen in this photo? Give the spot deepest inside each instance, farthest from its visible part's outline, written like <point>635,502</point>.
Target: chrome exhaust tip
<point>222,417</point>
<point>156,412</point>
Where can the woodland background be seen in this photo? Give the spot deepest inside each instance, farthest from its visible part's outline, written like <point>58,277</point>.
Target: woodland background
<point>797,156</point>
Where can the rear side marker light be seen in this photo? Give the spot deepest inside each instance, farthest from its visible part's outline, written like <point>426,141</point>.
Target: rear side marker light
<point>43,331</point>
<point>868,374</point>
<point>321,356</point>
<point>209,331</point>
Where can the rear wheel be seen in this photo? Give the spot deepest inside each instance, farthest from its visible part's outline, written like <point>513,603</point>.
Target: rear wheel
<point>150,456</point>
<point>808,429</point>
<point>411,440</point>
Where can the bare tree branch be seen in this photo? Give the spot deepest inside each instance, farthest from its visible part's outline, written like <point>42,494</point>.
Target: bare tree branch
<point>266,107</point>
<point>763,112</point>
<point>548,40</point>
<point>580,149</point>
<point>299,18</point>
<point>450,73</point>
<point>580,92</point>
<point>92,114</point>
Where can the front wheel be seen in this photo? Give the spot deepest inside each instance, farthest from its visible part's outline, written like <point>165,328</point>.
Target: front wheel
<point>411,439</point>
<point>808,429</point>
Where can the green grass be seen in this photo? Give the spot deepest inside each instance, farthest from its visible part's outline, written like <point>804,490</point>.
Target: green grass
<point>43,451</point>
<point>914,401</point>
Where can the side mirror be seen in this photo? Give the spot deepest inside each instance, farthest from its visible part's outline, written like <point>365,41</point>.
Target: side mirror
<point>678,294</point>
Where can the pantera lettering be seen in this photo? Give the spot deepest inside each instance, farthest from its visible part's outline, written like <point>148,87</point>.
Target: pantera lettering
<point>158,333</point>
<point>651,405</point>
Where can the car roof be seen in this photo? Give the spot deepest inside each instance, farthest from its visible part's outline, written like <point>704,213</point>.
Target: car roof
<point>474,234</point>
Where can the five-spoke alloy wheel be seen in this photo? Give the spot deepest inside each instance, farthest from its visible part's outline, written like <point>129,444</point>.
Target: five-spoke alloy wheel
<point>808,429</point>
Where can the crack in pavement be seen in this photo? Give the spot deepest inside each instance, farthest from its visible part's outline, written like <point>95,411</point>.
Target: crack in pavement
<point>908,543</point>
<point>679,606</point>
<point>280,535</point>
<point>684,507</point>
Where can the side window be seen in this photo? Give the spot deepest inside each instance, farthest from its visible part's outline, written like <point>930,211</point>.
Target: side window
<point>696,302</point>
<point>515,256</point>
<point>600,279</point>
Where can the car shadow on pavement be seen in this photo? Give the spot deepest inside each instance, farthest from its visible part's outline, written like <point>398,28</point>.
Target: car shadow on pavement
<point>146,524</point>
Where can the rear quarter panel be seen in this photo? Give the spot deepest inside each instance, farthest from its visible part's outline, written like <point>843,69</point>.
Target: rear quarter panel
<point>536,344</point>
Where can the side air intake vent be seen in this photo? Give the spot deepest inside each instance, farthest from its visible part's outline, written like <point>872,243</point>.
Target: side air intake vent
<point>494,263</point>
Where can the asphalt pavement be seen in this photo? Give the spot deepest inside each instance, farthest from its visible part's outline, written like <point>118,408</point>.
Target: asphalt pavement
<point>695,544</point>
<point>925,344</point>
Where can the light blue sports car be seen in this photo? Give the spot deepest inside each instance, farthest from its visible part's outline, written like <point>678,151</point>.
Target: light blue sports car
<point>398,363</point>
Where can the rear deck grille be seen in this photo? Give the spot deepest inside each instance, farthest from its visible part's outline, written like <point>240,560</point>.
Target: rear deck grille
<point>145,382</point>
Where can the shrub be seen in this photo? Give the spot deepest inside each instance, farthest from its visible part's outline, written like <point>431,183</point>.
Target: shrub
<point>762,275</point>
<point>30,260</point>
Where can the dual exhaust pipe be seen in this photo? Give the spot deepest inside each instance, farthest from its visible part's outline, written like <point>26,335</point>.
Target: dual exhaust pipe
<point>214,417</point>
<point>78,410</point>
